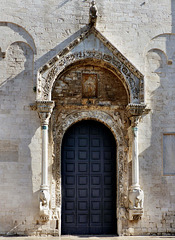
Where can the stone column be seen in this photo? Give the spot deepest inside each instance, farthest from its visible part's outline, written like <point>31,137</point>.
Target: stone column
<point>44,109</point>
<point>135,160</point>
<point>136,195</point>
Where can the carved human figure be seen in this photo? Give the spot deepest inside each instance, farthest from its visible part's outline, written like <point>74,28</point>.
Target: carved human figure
<point>136,198</point>
<point>93,13</point>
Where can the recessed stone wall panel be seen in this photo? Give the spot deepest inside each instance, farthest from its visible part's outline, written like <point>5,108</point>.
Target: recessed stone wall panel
<point>68,89</point>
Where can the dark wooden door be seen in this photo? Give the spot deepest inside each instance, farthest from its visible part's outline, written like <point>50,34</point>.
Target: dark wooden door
<point>88,179</point>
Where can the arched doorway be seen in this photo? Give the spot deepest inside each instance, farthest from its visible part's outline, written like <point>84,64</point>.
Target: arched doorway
<point>88,172</point>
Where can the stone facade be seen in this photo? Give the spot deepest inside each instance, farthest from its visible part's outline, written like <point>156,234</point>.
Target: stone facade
<point>62,63</point>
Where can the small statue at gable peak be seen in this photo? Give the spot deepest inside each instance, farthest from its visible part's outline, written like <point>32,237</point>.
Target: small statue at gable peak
<point>93,12</point>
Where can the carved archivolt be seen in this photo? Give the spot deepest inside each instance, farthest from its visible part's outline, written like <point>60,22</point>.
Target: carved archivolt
<point>111,58</point>
<point>133,85</point>
<point>62,121</point>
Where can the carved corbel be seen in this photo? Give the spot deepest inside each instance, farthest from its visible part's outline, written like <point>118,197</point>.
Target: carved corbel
<point>135,110</point>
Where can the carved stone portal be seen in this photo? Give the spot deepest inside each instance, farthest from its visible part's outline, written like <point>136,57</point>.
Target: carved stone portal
<point>108,57</point>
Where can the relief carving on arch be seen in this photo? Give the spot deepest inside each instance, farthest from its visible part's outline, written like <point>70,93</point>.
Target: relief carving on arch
<point>130,81</point>
<point>61,120</point>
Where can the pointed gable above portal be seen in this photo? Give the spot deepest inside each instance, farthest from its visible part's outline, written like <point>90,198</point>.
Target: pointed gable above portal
<point>91,45</point>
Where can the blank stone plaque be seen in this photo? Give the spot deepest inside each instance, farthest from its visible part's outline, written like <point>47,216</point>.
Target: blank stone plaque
<point>169,154</point>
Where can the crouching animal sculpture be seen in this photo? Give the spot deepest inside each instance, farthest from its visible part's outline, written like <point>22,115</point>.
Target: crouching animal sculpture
<point>136,198</point>
<point>44,199</point>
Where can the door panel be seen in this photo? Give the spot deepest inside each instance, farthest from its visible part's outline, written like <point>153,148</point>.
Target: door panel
<point>88,180</point>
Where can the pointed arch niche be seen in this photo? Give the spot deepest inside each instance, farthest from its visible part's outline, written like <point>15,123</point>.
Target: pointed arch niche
<point>91,79</point>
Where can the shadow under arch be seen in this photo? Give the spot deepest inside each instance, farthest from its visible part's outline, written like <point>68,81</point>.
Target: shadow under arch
<point>21,32</point>
<point>21,42</point>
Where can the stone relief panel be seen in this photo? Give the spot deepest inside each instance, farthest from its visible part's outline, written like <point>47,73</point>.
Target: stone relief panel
<point>89,85</point>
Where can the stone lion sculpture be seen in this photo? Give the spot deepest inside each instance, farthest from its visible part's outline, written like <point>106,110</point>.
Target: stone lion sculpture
<point>136,198</point>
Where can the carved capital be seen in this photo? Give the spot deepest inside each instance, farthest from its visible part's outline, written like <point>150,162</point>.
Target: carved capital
<point>135,110</point>
<point>45,109</point>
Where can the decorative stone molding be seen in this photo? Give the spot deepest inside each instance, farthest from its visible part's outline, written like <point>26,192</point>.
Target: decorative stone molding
<point>62,119</point>
<point>112,63</point>
<point>44,109</point>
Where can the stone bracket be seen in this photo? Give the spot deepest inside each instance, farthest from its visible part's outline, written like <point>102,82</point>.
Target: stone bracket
<point>135,214</point>
<point>135,110</point>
